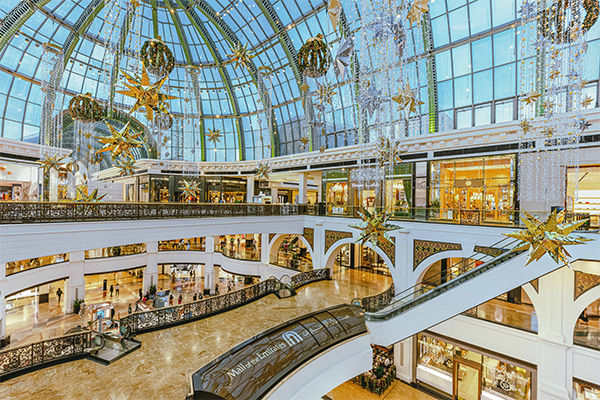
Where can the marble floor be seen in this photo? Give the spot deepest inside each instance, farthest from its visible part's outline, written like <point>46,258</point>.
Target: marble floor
<point>162,367</point>
<point>397,391</point>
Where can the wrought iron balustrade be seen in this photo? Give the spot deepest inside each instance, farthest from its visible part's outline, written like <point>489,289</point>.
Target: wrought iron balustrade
<point>378,301</point>
<point>305,278</point>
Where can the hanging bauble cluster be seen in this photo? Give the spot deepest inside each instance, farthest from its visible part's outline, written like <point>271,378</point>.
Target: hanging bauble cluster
<point>157,57</point>
<point>85,109</point>
<point>314,58</point>
<point>560,27</point>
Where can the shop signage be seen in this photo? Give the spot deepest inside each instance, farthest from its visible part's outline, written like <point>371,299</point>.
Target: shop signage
<point>252,368</point>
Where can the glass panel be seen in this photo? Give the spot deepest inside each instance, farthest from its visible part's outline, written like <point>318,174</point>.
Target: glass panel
<point>467,382</point>
<point>504,380</point>
<point>504,111</point>
<point>483,114</point>
<point>463,118</point>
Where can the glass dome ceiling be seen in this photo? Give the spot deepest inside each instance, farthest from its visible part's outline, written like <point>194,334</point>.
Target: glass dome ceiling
<point>463,60</point>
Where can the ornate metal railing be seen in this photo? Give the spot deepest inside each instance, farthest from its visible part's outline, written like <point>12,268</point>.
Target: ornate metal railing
<point>43,212</point>
<point>378,301</point>
<point>39,353</point>
<point>305,278</point>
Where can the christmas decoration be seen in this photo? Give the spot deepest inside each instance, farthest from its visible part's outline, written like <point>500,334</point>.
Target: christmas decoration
<point>241,55</point>
<point>191,190</point>
<point>82,107</point>
<point>559,25</point>
<point>550,236</point>
<point>375,227</point>
<point>263,170</point>
<point>407,100</point>
<point>157,57</point>
<point>126,167</point>
<point>83,197</point>
<point>417,9</point>
<point>214,135</point>
<point>334,10</point>
<point>342,59</point>
<point>372,99</point>
<point>51,163</point>
<point>314,58</point>
<point>531,97</point>
<point>120,142</point>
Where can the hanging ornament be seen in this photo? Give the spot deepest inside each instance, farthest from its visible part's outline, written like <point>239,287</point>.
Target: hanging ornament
<point>407,100</point>
<point>560,22</point>
<point>126,166</point>
<point>549,237</point>
<point>314,58</point>
<point>51,72</point>
<point>214,136</point>
<point>83,197</point>
<point>120,142</point>
<point>305,141</point>
<point>375,227</point>
<point>322,149</point>
<point>147,95</point>
<point>157,57</point>
<point>342,59</point>
<point>388,151</point>
<point>324,94</point>
<point>416,11</point>
<point>191,190</point>
<point>334,10</point>
<point>51,163</point>
<point>372,99</point>
<point>263,170</point>
<point>531,97</point>
<point>241,55</point>
<point>96,158</point>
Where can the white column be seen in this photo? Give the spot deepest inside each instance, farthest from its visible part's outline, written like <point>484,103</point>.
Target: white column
<point>2,315</point>
<point>151,270</point>
<point>319,246</point>
<point>209,269</point>
<point>75,285</point>
<point>302,187</point>
<point>249,189</point>
<point>274,195</point>
<point>53,189</point>
<point>264,248</point>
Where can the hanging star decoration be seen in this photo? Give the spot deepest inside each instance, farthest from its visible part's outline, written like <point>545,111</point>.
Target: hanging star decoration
<point>586,102</point>
<point>241,55</point>
<point>135,4</point>
<point>190,190</point>
<point>120,142</point>
<point>417,9</point>
<point>342,59</point>
<point>126,167</point>
<point>304,87</point>
<point>583,124</point>
<point>531,98</point>
<point>51,163</point>
<point>214,135</point>
<point>525,126</point>
<point>375,227</point>
<point>322,149</point>
<point>407,100</point>
<point>305,140</point>
<point>83,197</point>
<point>554,74</point>
<point>372,99</point>
<point>388,151</point>
<point>263,170</point>
<point>549,237</point>
<point>147,95</point>
<point>334,11</point>
<point>325,94</point>
<point>548,131</point>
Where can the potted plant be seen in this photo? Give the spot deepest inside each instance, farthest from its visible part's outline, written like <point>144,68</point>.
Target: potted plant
<point>152,290</point>
<point>77,305</point>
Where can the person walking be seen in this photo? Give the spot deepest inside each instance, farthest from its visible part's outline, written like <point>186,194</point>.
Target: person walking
<point>117,290</point>
<point>141,295</point>
<point>171,300</point>
<point>195,297</point>
<point>129,308</point>
<point>179,299</point>
<point>112,289</point>
<point>59,293</point>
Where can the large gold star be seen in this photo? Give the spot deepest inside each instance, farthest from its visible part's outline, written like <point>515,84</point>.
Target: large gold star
<point>126,167</point>
<point>191,190</point>
<point>375,227</point>
<point>407,100</point>
<point>51,163</point>
<point>525,125</point>
<point>147,95</point>
<point>305,140</point>
<point>263,170</point>
<point>388,151</point>
<point>549,237</point>
<point>241,55</point>
<point>214,135</point>
<point>417,9</point>
<point>120,142</point>
<point>531,98</point>
<point>586,101</point>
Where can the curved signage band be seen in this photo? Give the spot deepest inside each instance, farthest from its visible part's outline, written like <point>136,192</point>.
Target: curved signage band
<point>251,369</point>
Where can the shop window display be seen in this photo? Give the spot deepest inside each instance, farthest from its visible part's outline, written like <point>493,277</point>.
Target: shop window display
<point>583,390</point>
<point>159,189</point>
<point>587,200</point>
<point>191,244</point>
<point>116,251</point>
<point>587,328</point>
<point>474,189</point>
<point>24,265</point>
<point>335,193</point>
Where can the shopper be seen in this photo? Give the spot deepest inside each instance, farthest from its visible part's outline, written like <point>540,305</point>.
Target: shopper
<point>141,295</point>
<point>195,297</point>
<point>583,317</point>
<point>179,299</point>
<point>111,290</point>
<point>117,290</point>
<point>171,300</point>
<point>129,308</point>
<point>59,293</point>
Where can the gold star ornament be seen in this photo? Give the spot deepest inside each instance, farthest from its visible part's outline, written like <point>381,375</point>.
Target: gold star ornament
<point>214,135</point>
<point>531,98</point>
<point>550,236</point>
<point>586,102</point>
<point>325,94</point>
<point>263,170</point>
<point>417,9</point>
<point>525,125</point>
<point>83,197</point>
<point>305,140</point>
<point>334,11</point>
<point>241,55</point>
<point>120,142</point>
<point>322,149</point>
<point>407,100</point>
<point>375,227</point>
<point>191,190</point>
<point>126,167</point>
<point>51,163</point>
<point>147,95</point>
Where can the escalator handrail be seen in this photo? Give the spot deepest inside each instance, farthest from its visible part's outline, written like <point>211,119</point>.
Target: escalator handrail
<point>391,311</point>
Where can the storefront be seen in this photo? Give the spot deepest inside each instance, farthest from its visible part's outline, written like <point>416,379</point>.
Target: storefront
<point>213,189</point>
<point>473,190</point>
<point>399,189</point>
<point>335,189</point>
<point>456,370</point>
<point>583,390</point>
<point>362,258</point>
<point>587,201</point>
<point>18,181</point>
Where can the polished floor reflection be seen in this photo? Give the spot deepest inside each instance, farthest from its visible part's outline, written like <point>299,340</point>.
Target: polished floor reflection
<point>522,316</point>
<point>397,391</point>
<point>162,367</point>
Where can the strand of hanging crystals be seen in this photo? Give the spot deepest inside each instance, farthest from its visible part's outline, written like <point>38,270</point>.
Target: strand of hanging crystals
<point>52,67</point>
<point>191,122</point>
<point>264,115</point>
<point>551,100</point>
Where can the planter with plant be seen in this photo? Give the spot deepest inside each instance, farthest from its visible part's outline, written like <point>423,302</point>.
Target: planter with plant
<point>77,305</point>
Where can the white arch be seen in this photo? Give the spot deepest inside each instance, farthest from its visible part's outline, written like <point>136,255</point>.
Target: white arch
<point>278,239</point>
<point>576,308</point>
<point>336,247</point>
<point>419,272</point>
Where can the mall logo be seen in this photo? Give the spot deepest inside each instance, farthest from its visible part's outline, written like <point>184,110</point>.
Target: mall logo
<point>291,338</point>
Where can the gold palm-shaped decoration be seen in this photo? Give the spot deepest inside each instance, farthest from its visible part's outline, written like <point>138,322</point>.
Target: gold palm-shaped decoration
<point>147,95</point>
<point>263,170</point>
<point>51,163</point>
<point>214,135</point>
<point>120,142</point>
<point>191,190</point>
<point>375,227</point>
<point>241,55</point>
<point>126,167</point>
<point>550,236</point>
<point>83,197</point>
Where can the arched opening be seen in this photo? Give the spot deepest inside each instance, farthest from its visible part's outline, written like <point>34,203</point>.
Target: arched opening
<point>362,258</point>
<point>587,327</point>
<point>513,308</point>
<point>291,252</point>
<point>241,247</point>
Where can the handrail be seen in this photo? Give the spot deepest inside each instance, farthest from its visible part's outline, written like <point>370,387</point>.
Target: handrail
<point>378,301</point>
<point>46,351</point>
<point>402,303</point>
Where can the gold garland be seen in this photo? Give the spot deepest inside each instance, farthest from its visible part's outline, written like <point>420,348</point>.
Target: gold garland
<point>157,57</point>
<point>554,27</point>
<point>314,58</point>
<point>84,108</point>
